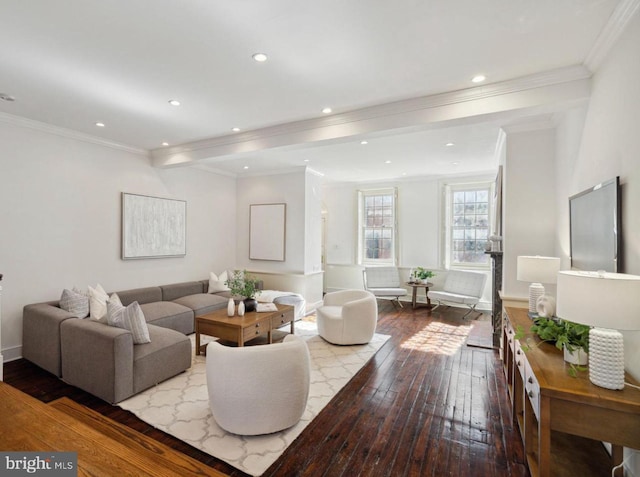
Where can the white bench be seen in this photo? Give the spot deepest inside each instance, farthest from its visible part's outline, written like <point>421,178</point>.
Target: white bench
<point>383,282</point>
<point>460,287</point>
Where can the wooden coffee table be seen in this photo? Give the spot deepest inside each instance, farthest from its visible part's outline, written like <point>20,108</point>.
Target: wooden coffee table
<point>241,329</point>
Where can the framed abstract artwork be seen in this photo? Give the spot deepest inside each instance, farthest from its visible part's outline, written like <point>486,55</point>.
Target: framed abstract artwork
<point>153,227</point>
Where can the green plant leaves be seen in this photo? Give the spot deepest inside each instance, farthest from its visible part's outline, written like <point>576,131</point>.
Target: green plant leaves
<point>241,284</point>
<point>423,273</point>
<point>564,333</point>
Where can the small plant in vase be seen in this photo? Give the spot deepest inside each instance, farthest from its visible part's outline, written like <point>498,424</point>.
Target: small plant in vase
<point>244,287</point>
<point>422,275</point>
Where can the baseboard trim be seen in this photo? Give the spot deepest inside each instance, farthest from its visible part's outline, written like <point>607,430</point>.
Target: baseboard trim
<point>11,354</point>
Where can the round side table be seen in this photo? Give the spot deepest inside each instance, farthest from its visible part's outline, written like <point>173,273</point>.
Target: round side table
<point>415,287</point>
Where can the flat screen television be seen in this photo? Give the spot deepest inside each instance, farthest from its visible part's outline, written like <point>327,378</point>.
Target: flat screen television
<point>595,222</point>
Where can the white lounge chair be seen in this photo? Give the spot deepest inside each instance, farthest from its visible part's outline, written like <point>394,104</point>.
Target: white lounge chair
<point>460,287</point>
<point>383,282</point>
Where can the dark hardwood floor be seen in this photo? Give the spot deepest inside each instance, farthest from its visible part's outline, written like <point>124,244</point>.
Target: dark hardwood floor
<point>425,405</point>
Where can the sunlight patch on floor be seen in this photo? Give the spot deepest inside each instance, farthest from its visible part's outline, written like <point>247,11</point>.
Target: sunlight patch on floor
<point>439,338</point>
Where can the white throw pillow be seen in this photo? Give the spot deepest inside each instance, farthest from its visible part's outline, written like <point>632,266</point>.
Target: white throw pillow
<point>217,283</point>
<point>129,318</point>
<point>98,302</point>
<point>75,302</point>
<point>114,299</point>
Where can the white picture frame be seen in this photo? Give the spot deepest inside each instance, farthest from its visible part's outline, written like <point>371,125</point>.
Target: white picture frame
<point>153,227</point>
<point>267,232</point>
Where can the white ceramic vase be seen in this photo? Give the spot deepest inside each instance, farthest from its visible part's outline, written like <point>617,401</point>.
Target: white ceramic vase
<point>231,307</point>
<point>241,308</point>
<point>578,356</point>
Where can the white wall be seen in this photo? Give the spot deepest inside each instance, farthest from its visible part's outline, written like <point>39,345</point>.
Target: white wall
<point>529,193</point>
<point>60,217</point>
<point>280,188</point>
<point>313,223</point>
<point>419,210</point>
<point>341,215</point>
<point>568,138</point>
<point>301,270</point>
<point>610,147</point>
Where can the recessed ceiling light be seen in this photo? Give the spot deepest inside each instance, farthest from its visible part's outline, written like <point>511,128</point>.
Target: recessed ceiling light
<point>246,167</point>
<point>478,79</point>
<point>235,129</point>
<point>364,143</point>
<point>404,173</point>
<point>165,143</point>
<point>306,160</point>
<point>100,125</point>
<point>7,97</point>
<point>387,162</point>
<point>455,163</point>
<point>327,110</point>
<point>449,144</point>
<point>259,57</point>
<point>174,102</point>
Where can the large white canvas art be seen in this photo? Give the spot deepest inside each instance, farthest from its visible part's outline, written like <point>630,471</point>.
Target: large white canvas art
<point>153,227</point>
<point>267,231</point>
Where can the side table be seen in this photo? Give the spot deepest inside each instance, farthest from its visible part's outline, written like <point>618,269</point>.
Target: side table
<point>415,287</point>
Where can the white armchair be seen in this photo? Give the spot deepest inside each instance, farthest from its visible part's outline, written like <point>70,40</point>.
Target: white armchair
<point>258,389</point>
<point>348,317</point>
<point>383,282</point>
<point>460,287</point>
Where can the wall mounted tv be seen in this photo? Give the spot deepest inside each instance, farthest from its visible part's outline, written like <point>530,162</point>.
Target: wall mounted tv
<point>595,218</point>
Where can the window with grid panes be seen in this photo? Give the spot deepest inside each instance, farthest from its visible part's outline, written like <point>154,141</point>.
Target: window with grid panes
<point>469,225</point>
<point>377,226</point>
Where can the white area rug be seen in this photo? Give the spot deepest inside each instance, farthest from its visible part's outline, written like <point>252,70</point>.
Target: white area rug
<point>180,405</point>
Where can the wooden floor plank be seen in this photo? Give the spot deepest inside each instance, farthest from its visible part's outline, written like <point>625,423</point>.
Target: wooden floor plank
<point>178,463</point>
<point>425,405</point>
<point>29,425</point>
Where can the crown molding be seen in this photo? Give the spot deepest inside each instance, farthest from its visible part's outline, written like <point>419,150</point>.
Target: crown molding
<point>617,23</point>
<point>69,133</point>
<point>180,154</point>
<point>537,123</point>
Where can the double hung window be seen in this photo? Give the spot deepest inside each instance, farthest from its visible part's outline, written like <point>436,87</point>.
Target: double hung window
<point>468,219</point>
<point>377,226</point>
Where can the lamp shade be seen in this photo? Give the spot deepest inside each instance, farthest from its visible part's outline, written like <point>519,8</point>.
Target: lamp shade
<point>605,300</point>
<point>538,269</point>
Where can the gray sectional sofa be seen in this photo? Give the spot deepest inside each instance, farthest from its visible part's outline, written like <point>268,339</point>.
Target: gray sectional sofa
<point>103,360</point>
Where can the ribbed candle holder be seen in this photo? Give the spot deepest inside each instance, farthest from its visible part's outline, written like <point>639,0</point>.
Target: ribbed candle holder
<point>606,358</point>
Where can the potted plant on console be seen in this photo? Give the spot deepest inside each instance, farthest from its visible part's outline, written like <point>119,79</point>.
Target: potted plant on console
<point>245,288</point>
<point>571,337</point>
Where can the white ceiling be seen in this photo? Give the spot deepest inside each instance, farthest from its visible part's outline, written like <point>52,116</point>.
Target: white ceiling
<point>73,63</point>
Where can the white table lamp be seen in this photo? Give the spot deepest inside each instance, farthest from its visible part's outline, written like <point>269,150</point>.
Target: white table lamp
<point>608,302</point>
<point>537,270</point>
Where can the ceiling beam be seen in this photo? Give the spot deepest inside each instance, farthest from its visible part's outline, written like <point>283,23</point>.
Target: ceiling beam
<point>547,89</point>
